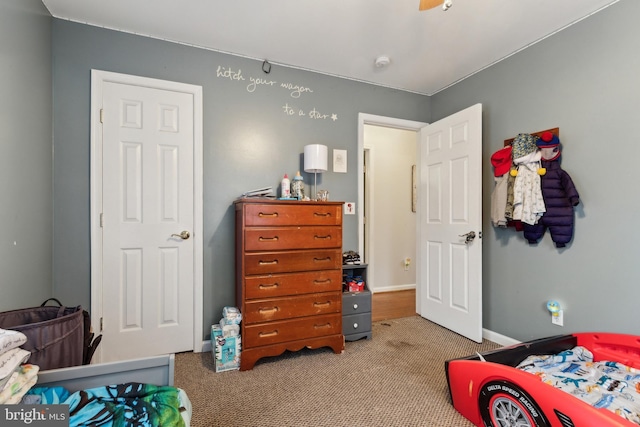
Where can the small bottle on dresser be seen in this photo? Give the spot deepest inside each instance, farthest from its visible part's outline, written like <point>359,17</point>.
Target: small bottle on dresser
<point>285,187</point>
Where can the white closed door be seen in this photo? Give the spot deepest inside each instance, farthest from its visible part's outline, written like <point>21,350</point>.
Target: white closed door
<point>147,222</point>
<point>449,247</point>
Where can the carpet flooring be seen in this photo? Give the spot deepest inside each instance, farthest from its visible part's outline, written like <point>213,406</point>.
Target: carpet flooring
<point>396,378</point>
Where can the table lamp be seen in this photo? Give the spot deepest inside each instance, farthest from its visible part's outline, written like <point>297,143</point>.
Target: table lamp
<point>315,160</point>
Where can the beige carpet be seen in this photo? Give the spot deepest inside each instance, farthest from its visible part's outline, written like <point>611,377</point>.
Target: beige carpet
<point>395,379</point>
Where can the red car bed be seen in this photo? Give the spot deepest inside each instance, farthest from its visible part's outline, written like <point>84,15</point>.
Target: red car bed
<point>495,388</point>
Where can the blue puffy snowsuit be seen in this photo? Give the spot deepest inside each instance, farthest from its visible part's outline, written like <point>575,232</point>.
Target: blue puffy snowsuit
<point>560,196</point>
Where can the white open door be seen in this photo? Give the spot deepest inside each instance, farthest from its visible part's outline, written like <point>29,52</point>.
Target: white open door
<point>449,246</point>
<point>147,222</point>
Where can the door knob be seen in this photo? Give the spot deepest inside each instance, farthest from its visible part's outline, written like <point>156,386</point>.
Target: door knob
<point>184,235</point>
<point>468,237</point>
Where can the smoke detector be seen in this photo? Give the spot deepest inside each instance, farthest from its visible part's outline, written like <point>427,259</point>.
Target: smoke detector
<point>382,61</point>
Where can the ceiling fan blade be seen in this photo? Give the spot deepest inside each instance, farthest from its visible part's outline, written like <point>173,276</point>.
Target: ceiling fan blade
<point>429,4</point>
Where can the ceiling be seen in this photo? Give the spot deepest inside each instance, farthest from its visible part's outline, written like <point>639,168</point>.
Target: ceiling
<point>428,50</point>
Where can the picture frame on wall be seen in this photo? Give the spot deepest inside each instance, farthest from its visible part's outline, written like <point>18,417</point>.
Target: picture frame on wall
<point>340,161</point>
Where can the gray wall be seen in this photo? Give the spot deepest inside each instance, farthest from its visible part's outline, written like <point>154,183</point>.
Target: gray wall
<point>249,141</point>
<point>586,81</point>
<point>26,162</point>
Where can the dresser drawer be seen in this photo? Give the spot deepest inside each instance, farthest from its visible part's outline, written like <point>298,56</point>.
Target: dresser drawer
<point>282,262</point>
<point>356,323</point>
<point>277,285</point>
<point>279,238</point>
<point>290,330</point>
<point>356,302</point>
<point>283,214</point>
<point>259,311</point>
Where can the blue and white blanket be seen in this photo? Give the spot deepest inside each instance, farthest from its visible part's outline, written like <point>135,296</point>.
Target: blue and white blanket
<point>603,384</point>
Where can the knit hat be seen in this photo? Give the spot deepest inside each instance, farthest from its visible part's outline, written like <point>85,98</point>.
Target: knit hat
<point>549,145</point>
<point>524,144</point>
<point>501,161</point>
<point>547,139</point>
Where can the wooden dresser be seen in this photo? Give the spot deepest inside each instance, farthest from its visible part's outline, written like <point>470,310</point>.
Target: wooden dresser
<point>288,276</point>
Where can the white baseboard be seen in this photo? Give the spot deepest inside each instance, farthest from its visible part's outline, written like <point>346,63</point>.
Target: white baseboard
<point>207,346</point>
<point>498,338</point>
<point>393,288</point>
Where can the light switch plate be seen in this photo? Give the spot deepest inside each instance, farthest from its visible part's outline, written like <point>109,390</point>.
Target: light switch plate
<point>350,208</point>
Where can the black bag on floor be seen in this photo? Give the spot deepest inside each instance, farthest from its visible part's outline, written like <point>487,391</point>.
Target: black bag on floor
<point>57,337</point>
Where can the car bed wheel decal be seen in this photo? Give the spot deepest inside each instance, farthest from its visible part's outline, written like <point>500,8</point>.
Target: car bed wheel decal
<point>505,412</point>
<point>504,404</point>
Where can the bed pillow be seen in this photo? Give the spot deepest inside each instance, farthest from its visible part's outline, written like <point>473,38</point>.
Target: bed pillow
<point>11,339</point>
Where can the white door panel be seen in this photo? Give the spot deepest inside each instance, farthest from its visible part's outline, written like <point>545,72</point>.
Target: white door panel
<point>450,206</point>
<point>148,199</point>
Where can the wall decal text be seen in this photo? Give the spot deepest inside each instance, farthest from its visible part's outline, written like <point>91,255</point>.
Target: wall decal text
<point>295,91</point>
<point>312,114</point>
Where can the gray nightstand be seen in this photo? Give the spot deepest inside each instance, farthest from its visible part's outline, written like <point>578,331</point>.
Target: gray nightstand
<point>356,306</point>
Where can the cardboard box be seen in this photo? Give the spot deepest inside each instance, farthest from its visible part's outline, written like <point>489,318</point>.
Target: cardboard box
<point>226,350</point>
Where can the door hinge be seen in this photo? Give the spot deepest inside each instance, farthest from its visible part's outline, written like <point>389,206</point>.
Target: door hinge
<point>101,220</point>
<point>101,115</point>
<point>101,324</point>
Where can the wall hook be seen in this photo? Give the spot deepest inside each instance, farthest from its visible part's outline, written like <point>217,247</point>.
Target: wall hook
<point>266,67</point>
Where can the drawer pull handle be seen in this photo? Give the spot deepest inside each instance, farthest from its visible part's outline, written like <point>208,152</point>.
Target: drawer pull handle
<point>326,325</point>
<point>328,237</point>
<point>322,214</point>
<point>355,306</point>
<point>275,261</point>
<point>272,215</point>
<point>321,259</point>
<point>268,285</point>
<point>268,239</point>
<point>355,326</point>
<point>268,310</point>
<point>316,281</point>
<point>322,304</point>
<point>268,334</point>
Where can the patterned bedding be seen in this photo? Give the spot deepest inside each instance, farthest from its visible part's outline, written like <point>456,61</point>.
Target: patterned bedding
<point>604,384</point>
<point>129,404</point>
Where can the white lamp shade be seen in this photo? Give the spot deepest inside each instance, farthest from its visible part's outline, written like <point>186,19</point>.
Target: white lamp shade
<point>315,158</point>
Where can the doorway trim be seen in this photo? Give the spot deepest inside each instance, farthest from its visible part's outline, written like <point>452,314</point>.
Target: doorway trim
<point>371,119</point>
<point>98,78</point>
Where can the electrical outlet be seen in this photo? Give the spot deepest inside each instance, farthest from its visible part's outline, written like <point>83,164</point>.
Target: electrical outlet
<point>558,319</point>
